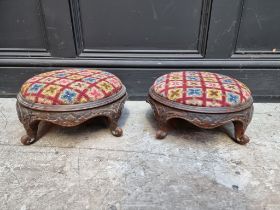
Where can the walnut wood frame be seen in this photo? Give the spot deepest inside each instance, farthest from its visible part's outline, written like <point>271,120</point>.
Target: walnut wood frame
<point>30,115</point>
<point>203,117</point>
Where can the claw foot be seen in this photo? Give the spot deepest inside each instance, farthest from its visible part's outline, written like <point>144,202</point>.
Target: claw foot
<point>161,134</point>
<point>242,140</point>
<point>26,140</point>
<point>117,132</point>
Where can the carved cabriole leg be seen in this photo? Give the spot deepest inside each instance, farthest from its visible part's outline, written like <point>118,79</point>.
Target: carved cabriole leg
<point>30,125</point>
<point>113,124</point>
<point>240,126</point>
<point>240,129</point>
<point>115,116</point>
<point>31,131</point>
<point>160,118</point>
<point>162,129</point>
<point>162,123</point>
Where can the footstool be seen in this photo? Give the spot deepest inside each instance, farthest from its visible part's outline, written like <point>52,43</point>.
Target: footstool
<point>205,99</point>
<point>69,97</point>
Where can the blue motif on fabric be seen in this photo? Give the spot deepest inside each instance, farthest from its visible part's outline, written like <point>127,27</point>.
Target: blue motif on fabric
<point>228,81</point>
<point>194,92</point>
<point>89,80</point>
<point>35,88</point>
<point>193,78</point>
<point>60,75</point>
<point>107,73</point>
<point>68,95</point>
<point>160,79</point>
<point>233,98</point>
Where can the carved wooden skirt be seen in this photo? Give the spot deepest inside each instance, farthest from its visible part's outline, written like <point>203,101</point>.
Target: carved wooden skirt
<point>89,100</point>
<point>187,95</point>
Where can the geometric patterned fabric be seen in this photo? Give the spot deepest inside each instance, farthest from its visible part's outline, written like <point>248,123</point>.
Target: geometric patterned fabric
<point>203,89</point>
<point>70,86</point>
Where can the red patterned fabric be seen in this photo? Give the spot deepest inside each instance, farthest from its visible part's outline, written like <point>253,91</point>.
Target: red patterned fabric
<point>203,89</point>
<point>70,86</point>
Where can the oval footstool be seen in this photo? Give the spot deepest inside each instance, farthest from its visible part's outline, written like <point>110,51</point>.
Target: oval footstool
<point>205,99</point>
<point>69,97</point>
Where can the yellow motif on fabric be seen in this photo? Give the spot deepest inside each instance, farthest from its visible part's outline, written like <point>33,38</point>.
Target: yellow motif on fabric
<point>193,83</point>
<point>214,94</point>
<point>175,77</point>
<point>105,86</point>
<point>48,79</point>
<point>174,94</point>
<point>79,86</point>
<point>75,77</point>
<point>207,74</point>
<point>210,79</point>
<point>213,104</point>
<point>231,87</point>
<point>45,101</point>
<point>24,87</point>
<point>194,102</point>
<point>51,90</point>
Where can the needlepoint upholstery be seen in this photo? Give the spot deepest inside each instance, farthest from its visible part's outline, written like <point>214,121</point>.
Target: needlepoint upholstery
<point>70,86</point>
<point>203,89</point>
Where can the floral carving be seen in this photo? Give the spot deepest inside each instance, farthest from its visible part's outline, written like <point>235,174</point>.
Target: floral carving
<point>30,118</point>
<point>164,113</point>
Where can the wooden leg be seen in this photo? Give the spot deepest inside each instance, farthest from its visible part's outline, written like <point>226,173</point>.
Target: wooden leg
<point>31,131</point>
<point>30,118</point>
<point>113,125</point>
<point>160,118</point>
<point>240,136</point>
<point>162,130</point>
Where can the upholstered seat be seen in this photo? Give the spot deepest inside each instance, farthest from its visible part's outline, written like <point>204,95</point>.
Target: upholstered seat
<point>69,97</point>
<point>207,100</point>
<point>203,89</point>
<point>70,86</point>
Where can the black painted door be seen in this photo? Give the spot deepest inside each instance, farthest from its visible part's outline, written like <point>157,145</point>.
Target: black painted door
<point>140,39</point>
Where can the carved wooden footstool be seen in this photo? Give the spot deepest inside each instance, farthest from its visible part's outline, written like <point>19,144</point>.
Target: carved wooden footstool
<point>207,100</point>
<point>70,97</point>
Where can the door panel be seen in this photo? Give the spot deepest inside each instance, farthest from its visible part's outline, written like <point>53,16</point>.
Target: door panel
<point>259,27</point>
<point>22,28</point>
<point>145,26</point>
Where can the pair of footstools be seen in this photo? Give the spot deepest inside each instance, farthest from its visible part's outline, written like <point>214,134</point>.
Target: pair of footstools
<point>70,97</point>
